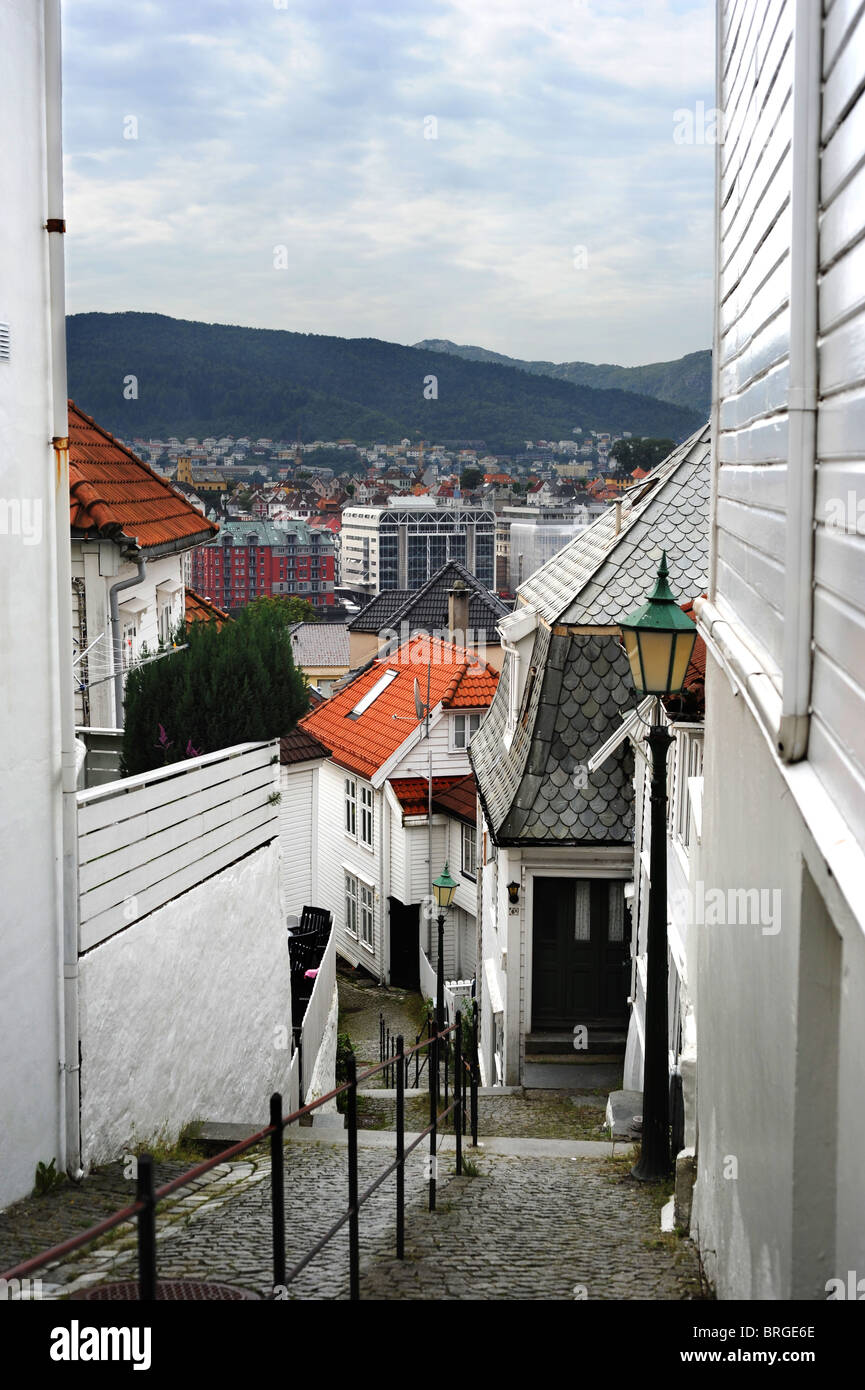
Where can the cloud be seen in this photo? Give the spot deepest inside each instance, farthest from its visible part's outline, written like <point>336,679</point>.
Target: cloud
<point>304,126</point>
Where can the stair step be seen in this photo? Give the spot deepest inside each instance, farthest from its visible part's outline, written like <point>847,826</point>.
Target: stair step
<point>601,1044</point>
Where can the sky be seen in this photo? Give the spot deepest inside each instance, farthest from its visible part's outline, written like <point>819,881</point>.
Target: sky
<point>507,173</point>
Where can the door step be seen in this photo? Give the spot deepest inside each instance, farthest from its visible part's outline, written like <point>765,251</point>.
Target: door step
<point>605,1045</point>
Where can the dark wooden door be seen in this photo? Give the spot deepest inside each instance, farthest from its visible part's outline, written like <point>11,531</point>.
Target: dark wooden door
<point>579,955</point>
<point>404,959</point>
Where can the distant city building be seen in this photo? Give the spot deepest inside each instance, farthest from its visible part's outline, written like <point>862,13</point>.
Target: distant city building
<point>403,545</point>
<point>539,533</point>
<point>251,559</point>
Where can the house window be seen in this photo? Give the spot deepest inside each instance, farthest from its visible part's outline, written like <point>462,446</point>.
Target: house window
<point>359,910</point>
<point>351,807</point>
<point>463,727</point>
<point>366,817</point>
<point>470,851</point>
<point>165,623</point>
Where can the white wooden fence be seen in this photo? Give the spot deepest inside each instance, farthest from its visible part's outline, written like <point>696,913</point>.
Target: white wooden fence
<point>144,840</point>
<point>318,1010</point>
<point>429,986</point>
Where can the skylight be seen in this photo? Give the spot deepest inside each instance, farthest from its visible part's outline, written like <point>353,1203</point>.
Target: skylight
<point>372,695</point>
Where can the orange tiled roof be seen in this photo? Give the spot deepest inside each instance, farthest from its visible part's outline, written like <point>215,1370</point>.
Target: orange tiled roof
<point>204,610</point>
<point>112,493</point>
<point>412,792</point>
<point>458,680</point>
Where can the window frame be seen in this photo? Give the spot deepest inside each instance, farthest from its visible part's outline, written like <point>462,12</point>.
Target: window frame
<point>350,807</point>
<point>366,802</point>
<point>472,831</point>
<point>467,732</point>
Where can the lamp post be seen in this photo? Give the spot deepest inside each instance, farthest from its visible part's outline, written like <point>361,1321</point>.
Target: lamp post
<point>444,888</point>
<point>659,639</point>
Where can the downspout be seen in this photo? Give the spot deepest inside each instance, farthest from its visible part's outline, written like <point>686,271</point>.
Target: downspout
<point>116,641</point>
<point>802,392</point>
<point>55,226</point>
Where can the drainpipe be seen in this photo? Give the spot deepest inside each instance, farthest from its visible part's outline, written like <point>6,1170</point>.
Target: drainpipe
<point>138,559</point>
<point>802,392</point>
<point>67,887</point>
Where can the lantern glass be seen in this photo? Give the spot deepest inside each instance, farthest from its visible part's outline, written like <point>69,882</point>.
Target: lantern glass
<point>658,640</point>
<point>444,888</point>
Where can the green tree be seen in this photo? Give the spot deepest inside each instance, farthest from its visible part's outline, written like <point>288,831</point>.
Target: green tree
<point>639,453</point>
<point>471,478</point>
<point>236,685</point>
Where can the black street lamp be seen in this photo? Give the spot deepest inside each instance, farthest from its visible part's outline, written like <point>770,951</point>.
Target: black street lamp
<point>444,888</point>
<point>659,639</point>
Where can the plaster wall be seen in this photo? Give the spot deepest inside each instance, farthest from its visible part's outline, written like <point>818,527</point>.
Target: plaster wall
<point>182,1013</point>
<point>31,632</point>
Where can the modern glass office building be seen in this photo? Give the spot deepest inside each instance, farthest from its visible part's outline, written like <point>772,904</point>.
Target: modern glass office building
<point>404,545</point>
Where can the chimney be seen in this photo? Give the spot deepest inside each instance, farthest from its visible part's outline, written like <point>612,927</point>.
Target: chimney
<point>458,612</point>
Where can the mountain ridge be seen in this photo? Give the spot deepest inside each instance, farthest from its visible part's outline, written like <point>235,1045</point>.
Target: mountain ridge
<point>195,379</point>
<point>685,381</point>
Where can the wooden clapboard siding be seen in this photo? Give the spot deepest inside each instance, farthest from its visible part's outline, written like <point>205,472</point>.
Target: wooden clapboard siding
<point>144,840</point>
<point>837,741</point>
<point>296,833</point>
<point>753,318</point>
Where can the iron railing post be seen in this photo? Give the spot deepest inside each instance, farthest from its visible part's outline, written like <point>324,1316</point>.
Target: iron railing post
<point>353,1229</point>
<point>400,1153</point>
<point>277,1191</point>
<point>146,1231</point>
<point>475,1069</point>
<point>433,1117</point>
<point>458,1067</point>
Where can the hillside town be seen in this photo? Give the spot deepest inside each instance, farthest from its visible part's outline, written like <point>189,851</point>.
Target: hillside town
<point>498,817</point>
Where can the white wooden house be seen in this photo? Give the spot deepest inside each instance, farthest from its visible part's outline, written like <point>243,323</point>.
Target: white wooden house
<point>557,834</point>
<point>130,532</point>
<point>374,848</point>
<point>778,1202</point>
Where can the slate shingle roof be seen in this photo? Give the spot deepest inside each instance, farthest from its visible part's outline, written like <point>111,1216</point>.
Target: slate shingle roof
<point>600,576</point>
<point>532,792</point>
<point>320,644</point>
<point>426,609</point>
<point>378,612</point>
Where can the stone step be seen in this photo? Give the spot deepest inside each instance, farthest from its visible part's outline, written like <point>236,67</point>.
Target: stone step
<point>216,1135</point>
<point>603,1044</point>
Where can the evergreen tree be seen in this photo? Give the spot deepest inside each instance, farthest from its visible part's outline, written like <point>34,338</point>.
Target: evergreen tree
<point>236,685</point>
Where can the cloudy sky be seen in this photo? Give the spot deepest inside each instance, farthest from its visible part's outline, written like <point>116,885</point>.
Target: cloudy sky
<point>498,172</point>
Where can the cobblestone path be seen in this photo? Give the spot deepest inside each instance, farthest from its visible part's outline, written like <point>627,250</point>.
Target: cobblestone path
<point>537,1222</point>
<point>361,1002</point>
<point>539,1228</point>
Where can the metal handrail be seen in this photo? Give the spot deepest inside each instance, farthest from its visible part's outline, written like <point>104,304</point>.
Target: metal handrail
<point>148,1196</point>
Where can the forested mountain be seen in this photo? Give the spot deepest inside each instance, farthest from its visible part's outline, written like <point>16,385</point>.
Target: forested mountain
<point>686,382</point>
<point>211,379</point>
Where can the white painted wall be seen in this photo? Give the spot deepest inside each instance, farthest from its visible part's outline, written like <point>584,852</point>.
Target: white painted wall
<point>182,1014</point>
<point>778,1200</point>
<point>34,630</point>
<point>298,833</point>
<point>100,565</point>
<point>780,1035</point>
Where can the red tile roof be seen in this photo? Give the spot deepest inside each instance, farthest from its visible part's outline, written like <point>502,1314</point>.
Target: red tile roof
<point>363,744</point>
<point>204,610</point>
<point>114,494</point>
<point>690,703</point>
<point>300,746</point>
<point>412,792</point>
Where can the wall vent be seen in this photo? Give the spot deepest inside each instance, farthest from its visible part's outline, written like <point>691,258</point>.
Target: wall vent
<point>5,343</point>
